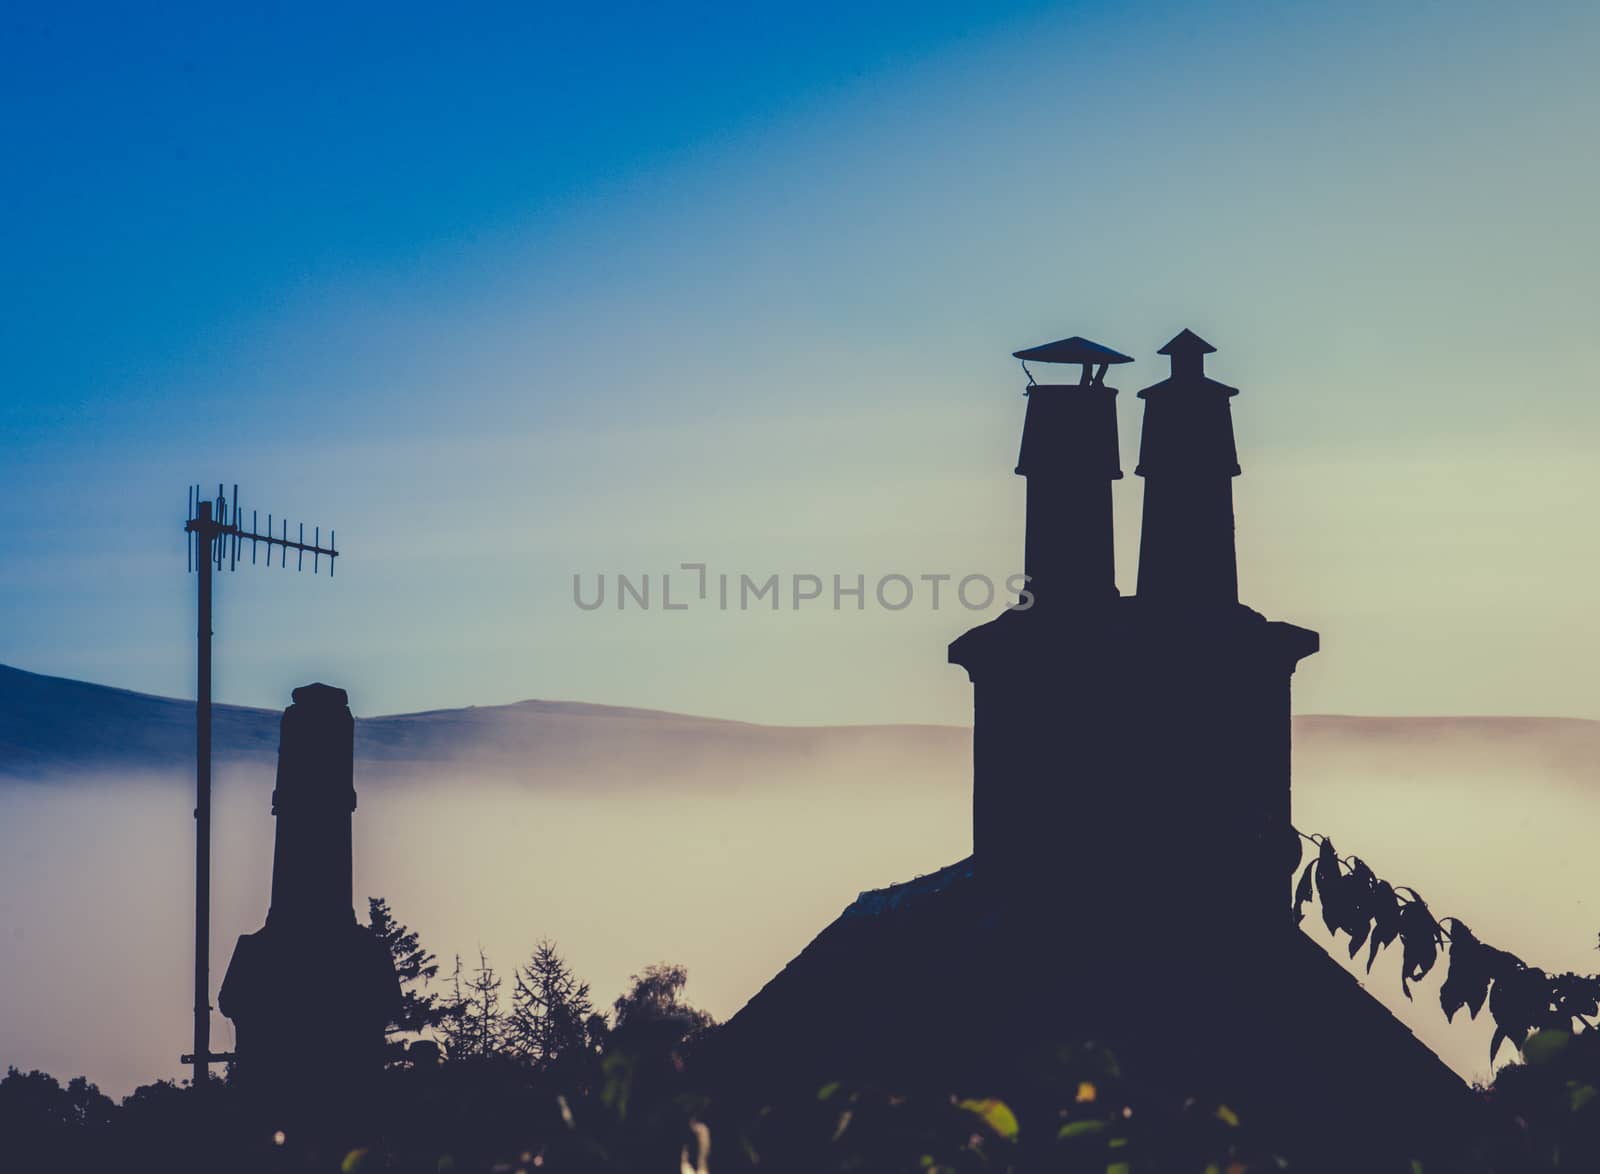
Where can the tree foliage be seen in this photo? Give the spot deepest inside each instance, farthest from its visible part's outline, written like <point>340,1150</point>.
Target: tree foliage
<point>655,996</point>
<point>420,1008</point>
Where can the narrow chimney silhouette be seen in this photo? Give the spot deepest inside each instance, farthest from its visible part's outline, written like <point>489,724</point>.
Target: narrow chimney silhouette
<point>1069,456</point>
<point>314,802</point>
<point>1188,462</point>
<point>312,991</point>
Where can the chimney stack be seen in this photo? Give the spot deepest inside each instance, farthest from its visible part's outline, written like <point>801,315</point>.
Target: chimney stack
<point>1188,461</point>
<point>314,801</point>
<point>311,992</point>
<point>1070,458</point>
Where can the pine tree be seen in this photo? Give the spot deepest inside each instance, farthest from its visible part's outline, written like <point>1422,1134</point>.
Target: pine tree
<point>474,1025</point>
<point>550,1009</point>
<point>420,1008</point>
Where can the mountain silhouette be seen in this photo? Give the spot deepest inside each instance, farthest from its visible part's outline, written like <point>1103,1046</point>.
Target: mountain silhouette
<point>53,729</point>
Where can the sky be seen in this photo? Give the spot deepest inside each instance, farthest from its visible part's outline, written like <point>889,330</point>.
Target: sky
<point>529,292</point>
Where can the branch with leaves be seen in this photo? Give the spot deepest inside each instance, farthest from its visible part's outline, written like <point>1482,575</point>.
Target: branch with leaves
<point>1521,998</point>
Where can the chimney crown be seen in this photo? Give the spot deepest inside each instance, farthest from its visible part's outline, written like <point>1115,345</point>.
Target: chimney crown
<point>319,696</point>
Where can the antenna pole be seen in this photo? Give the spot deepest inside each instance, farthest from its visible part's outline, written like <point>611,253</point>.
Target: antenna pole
<point>215,534</point>
<point>204,536</point>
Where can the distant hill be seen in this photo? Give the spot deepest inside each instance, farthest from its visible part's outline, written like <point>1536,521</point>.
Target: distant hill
<point>52,728</point>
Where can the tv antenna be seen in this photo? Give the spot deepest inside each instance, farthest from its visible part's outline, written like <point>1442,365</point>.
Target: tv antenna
<point>215,538</point>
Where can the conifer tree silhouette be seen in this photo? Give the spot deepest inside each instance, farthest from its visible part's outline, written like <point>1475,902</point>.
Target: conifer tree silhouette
<point>420,1009</point>
<point>550,1008</point>
<point>474,1025</point>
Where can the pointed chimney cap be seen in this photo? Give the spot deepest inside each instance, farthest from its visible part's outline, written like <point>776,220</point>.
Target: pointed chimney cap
<point>1187,342</point>
<point>1072,350</point>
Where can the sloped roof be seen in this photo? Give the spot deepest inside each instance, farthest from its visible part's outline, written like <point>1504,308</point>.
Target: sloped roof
<point>908,988</point>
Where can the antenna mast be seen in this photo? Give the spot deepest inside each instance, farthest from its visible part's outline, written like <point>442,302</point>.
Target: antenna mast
<point>214,537</point>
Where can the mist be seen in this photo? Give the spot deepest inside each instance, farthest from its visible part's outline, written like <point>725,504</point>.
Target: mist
<point>631,838</point>
<point>728,872</point>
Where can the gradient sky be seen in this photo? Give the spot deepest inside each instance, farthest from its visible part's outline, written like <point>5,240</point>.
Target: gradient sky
<point>529,291</point>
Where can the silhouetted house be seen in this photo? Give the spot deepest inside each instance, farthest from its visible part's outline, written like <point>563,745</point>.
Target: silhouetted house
<point>311,992</point>
<point>1130,881</point>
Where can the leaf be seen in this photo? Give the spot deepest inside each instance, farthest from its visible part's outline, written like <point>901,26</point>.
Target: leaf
<point>1466,984</point>
<point>1302,893</point>
<point>1328,886</point>
<point>844,1123</point>
<point>1519,998</point>
<point>353,1161</point>
<point>1580,1094</point>
<point>1119,1168</point>
<point>1574,996</point>
<point>1385,920</point>
<point>996,1114</point>
<point>1500,1037</point>
<point>1359,938</point>
<point>1079,1129</point>
<point>1227,1116</point>
<point>1419,941</point>
<point>1543,1046</point>
<point>826,1091</point>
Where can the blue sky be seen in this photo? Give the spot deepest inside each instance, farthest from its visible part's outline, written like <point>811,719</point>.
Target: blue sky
<point>531,291</point>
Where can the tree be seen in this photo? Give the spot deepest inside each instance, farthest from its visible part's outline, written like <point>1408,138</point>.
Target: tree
<point>474,1024</point>
<point>420,1008</point>
<point>550,1009</point>
<point>655,998</point>
<point>48,1127</point>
